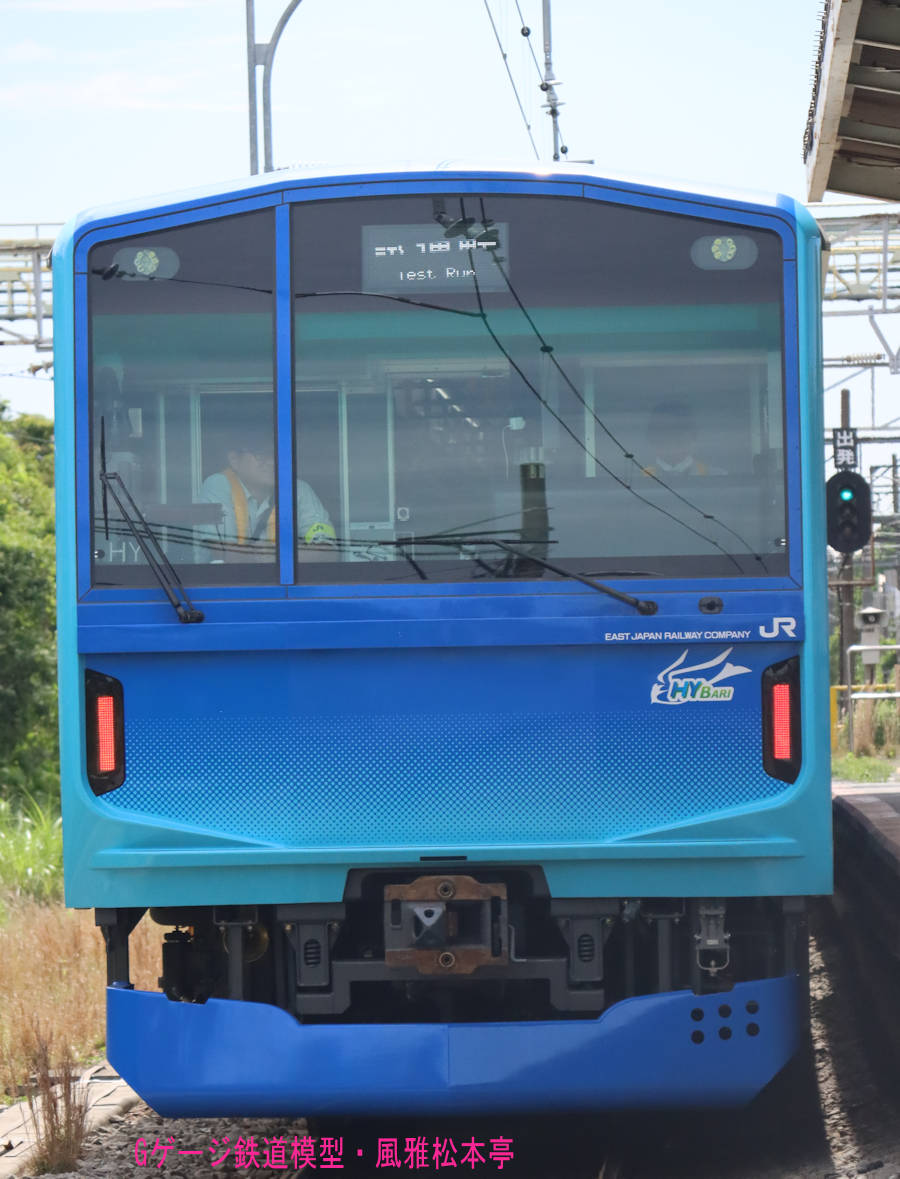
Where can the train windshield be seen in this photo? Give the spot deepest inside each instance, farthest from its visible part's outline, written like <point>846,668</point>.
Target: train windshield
<point>481,384</point>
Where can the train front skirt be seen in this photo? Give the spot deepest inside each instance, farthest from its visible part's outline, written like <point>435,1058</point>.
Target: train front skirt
<point>226,1058</point>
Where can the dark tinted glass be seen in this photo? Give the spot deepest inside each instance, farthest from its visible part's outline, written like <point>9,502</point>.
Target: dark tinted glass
<point>182,406</point>
<point>589,384</point>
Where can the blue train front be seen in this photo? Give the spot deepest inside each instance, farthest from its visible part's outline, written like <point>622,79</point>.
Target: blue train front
<point>442,638</point>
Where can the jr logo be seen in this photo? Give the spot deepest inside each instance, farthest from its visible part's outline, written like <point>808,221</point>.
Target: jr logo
<point>788,625</point>
<point>677,684</point>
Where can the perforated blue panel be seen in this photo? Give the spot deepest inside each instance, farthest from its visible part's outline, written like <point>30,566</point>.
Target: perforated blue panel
<point>439,748</point>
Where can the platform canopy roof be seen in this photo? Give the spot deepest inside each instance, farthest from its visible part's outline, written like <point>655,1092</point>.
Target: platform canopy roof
<point>852,140</point>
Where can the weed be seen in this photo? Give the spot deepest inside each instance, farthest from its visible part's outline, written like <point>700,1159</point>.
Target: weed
<point>864,728</point>
<point>30,851</point>
<point>886,724</point>
<point>53,973</point>
<point>853,767</point>
<point>57,1104</point>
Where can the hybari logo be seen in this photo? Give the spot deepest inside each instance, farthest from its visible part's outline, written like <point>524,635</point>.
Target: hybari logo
<point>688,685</point>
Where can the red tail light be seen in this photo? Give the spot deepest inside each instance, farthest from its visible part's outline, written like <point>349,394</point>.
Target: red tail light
<point>106,734</point>
<point>104,731</point>
<point>781,722</point>
<point>781,745</point>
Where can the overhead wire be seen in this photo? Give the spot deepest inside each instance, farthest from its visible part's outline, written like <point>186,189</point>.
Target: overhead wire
<point>512,81</point>
<point>25,374</point>
<point>548,350</point>
<point>526,33</point>
<point>568,429</point>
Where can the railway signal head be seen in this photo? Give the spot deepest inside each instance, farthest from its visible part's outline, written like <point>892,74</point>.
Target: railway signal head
<point>849,511</point>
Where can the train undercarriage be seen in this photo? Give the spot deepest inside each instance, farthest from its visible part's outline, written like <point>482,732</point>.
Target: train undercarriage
<point>483,944</point>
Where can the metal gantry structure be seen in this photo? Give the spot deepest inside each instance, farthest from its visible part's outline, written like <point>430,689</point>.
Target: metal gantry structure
<point>861,282</point>
<point>26,292</point>
<point>862,270</point>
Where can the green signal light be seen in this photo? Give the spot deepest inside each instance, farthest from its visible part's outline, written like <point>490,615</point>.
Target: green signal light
<point>847,493</point>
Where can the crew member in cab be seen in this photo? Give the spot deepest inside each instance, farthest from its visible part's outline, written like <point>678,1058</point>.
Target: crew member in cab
<point>673,440</point>
<point>245,491</point>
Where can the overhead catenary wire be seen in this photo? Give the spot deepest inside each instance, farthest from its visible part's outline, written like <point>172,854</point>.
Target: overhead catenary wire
<point>549,350</point>
<point>543,83</point>
<point>512,81</point>
<point>568,429</point>
<point>526,33</point>
<point>26,374</point>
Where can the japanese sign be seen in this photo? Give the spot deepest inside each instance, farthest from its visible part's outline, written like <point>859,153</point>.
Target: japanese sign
<point>414,259</point>
<point>845,449</point>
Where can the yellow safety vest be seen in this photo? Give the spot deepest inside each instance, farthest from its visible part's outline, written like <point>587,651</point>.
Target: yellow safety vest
<point>242,512</point>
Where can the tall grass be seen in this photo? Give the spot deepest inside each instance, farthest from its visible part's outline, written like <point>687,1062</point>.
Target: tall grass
<point>861,767</point>
<point>58,1107</point>
<point>30,852</point>
<point>53,976</point>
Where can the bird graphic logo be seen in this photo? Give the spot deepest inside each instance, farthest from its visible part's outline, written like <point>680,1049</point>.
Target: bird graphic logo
<point>678,684</point>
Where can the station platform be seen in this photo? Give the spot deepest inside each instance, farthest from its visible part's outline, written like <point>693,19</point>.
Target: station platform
<point>867,856</point>
<point>101,1090</point>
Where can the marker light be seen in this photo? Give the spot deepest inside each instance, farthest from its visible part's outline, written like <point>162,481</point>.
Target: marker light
<point>781,722</point>
<point>106,735</point>
<point>723,249</point>
<point>104,721</point>
<point>146,262</point>
<point>781,733</point>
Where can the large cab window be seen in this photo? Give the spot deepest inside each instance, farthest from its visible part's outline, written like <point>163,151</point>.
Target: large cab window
<point>182,405</point>
<point>482,386</point>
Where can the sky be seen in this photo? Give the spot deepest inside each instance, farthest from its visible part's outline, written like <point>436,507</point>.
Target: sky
<point>105,100</point>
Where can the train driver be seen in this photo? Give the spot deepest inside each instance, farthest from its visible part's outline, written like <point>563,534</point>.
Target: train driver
<point>672,437</point>
<point>245,490</point>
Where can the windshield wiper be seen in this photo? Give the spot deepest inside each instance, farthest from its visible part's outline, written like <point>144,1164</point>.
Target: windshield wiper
<point>149,545</point>
<point>462,541</point>
<point>624,573</point>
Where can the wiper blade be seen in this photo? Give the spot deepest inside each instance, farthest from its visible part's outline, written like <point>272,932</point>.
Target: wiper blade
<point>624,573</point>
<point>462,541</point>
<point>357,547</point>
<point>102,474</point>
<point>148,542</point>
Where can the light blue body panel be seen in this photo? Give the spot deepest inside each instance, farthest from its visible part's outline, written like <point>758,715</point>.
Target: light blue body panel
<point>526,752</point>
<point>222,1059</point>
<point>508,673</point>
<point>302,731</point>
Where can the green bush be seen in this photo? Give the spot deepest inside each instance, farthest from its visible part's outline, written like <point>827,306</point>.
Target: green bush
<point>853,767</point>
<point>30,851</point>
<point>28,736</point>
<point>886,726</point>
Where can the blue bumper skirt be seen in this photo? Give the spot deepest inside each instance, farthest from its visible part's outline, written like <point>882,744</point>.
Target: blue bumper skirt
<point>225,1058</point>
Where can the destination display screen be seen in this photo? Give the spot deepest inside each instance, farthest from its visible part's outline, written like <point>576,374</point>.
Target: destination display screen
<point>403,259</point>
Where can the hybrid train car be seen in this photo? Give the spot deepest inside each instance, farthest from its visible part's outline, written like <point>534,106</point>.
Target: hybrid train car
<point>442,637</point>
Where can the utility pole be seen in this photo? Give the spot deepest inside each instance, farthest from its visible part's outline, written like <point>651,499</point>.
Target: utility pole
<point>262,54</point>
<point>548,85</point>
<point>251,85</point>
<point>846,591</point>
